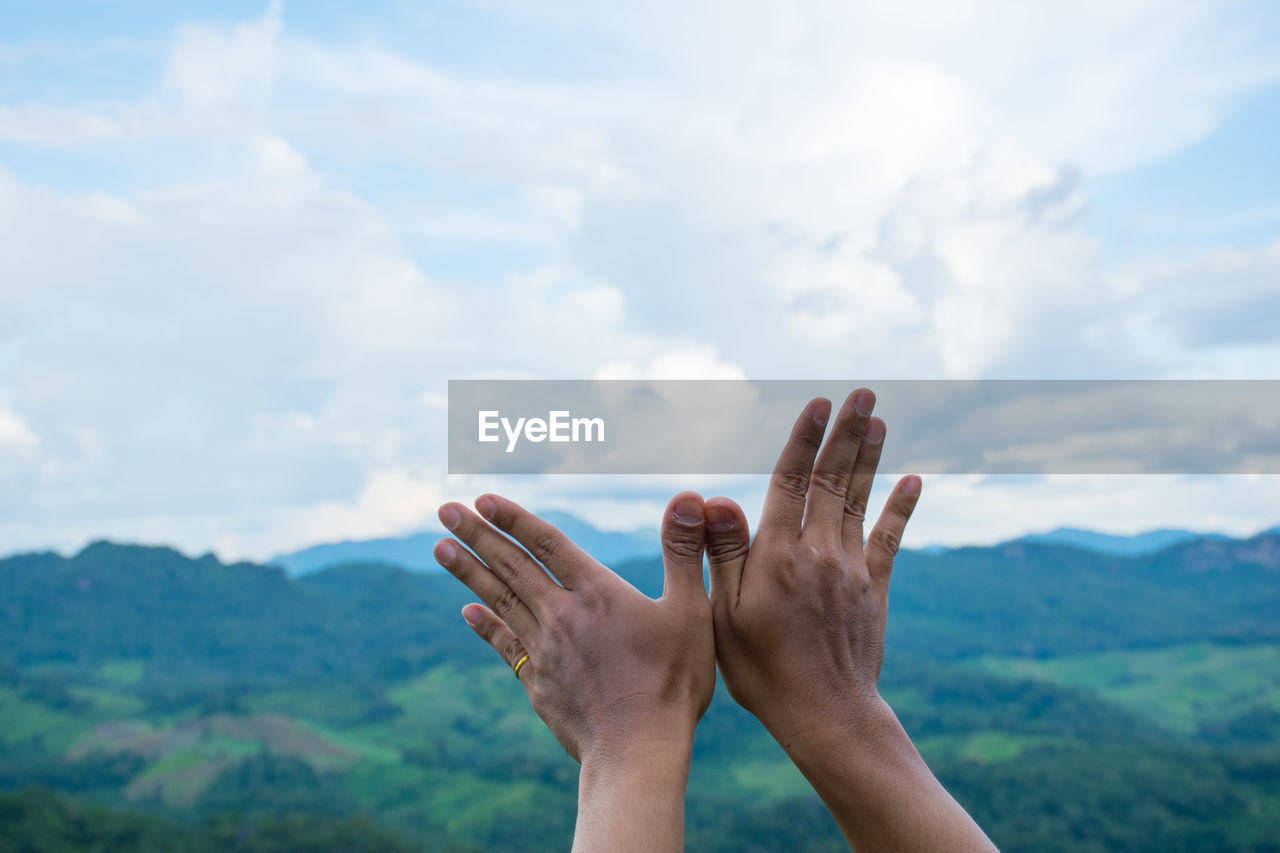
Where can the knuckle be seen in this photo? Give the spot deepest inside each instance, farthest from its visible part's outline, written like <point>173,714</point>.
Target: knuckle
<point>683,544</point>
<point>505,567</point>
<point>506,602</point>
<point>512,650</point>
<point>559,627</point>
<point>794,483</point>
<point>885,540</point>
<point>831,482</point>
<point>830,563</point>
<point>855,511</point>
<point>824,558</point>
<point>594,599</point>
<point>544,545</point>
<point>726,550</point>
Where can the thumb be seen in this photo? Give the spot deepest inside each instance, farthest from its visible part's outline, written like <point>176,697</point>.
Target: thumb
<point>728,539</point>
<point>684,535</point>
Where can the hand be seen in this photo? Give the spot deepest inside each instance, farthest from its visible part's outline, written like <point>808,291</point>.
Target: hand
<point>619,678</point>
<point>607,665</point>
<point>800,613</point>
<point>799,626</point>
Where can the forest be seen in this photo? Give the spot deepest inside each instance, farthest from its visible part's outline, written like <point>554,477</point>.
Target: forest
<point>1071,700</point>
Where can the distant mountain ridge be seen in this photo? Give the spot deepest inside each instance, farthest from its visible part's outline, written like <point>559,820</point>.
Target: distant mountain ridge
<point>250,623</point>
<point>413,552</point>
<point>1116,543</point>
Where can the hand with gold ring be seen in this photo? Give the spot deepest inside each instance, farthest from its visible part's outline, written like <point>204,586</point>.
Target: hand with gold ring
<point>620,679</point>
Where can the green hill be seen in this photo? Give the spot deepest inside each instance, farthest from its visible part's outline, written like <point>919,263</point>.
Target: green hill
<point>1072,700</point>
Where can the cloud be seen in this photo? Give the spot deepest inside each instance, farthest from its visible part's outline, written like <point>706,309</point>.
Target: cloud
<point>16,437</point>
<point>692,362</point>
<point>1224,297</point>
<point>984,510</point>
<point>235,329</point>
<point>207,65</point>
<point>389,502</point>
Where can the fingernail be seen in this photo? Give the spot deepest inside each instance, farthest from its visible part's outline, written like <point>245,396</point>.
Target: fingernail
<point>875,432</point>
<point>449,516</point>
<point>719,518</point>
<point>486,507</point>
<point>445,551</point>
<point>688,510</point>
<point>822,412</point>
<point>471,615</point>
<point>863,402</point>
<point>911,486</point>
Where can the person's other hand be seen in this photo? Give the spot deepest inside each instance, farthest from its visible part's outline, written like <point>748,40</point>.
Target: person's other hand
<point>800,612</point>
<point>799,627</point>
<point>611,671</point>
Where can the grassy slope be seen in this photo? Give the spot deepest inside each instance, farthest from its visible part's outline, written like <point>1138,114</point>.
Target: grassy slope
<point>360,691</point>
<point>1180,687</point>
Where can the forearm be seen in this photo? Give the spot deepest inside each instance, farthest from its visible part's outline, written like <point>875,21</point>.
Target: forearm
<point>879,790</point>
<point>632,798</point>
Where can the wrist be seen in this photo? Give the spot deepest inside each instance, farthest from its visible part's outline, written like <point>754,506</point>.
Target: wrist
<point>861,725</point>
<point>807,710</point>
<point>863,765</point>
<point>636,748</point>
<point>858,757</point>
<point>631,795</point>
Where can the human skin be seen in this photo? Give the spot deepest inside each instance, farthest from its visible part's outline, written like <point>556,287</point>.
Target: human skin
<point>799,630</point>
<point>620,679</point>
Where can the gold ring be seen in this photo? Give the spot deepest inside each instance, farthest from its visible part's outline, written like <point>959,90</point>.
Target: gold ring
<point>521,663</point>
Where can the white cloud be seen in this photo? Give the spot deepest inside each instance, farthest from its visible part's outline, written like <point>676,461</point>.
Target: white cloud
<point>1224,297</point>
<point>984,510</point>
<point>689,362</point>
<point>16,437</point>
<point>208,65</point>
<point>390,502</point>
<point>248,345</point>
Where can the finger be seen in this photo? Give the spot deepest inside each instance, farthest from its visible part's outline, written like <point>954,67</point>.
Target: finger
<point>784,501</point>
<point>864,475</point>
<point>496,633</point>
<point>544,541</point>
<point>886,536</point>
<point>829,484</point>
<point>728,538</point>
<point>466,567</point>
<point>505,559</point>
<point>684,536</point>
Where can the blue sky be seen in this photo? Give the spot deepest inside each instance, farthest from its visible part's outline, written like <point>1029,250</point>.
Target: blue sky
<point>243,246</point>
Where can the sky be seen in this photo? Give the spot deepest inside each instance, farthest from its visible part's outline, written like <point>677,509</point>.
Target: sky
<point>244,245</point>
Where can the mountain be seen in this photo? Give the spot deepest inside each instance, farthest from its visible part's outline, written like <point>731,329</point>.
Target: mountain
<point>413,552</point>
<point>1073,701</point>
<point>1041,600</point>
<point>200,621</point>
<point>246,623</point>
<point>1110,543</point>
